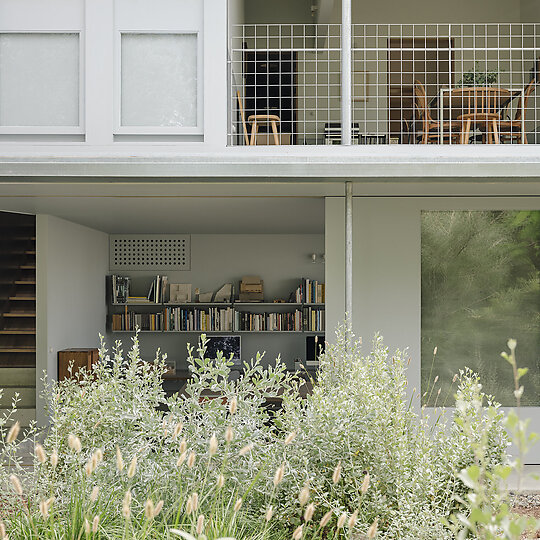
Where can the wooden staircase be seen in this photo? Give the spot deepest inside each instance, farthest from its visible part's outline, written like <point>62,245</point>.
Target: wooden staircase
<point>18,313</point>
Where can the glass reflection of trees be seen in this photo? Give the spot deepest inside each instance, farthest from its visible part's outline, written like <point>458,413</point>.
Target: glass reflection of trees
<point>480,286</point>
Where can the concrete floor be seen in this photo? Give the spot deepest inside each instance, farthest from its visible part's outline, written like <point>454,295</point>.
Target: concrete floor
<point>527,482</point>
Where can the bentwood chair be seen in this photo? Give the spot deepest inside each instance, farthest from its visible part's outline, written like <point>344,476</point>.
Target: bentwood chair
<point>513,129</point>
<point>427,129</point>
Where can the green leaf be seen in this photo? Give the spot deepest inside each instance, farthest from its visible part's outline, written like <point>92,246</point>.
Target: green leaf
<point>512,419</point>
<point>522,371</point>
<point>503,471</point>
<point>477,516</point>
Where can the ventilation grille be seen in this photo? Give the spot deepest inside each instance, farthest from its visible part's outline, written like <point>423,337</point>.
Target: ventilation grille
<point>150,252</point>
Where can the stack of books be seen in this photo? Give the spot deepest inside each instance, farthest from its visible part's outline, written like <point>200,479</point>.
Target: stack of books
<point>120,289</point>
<point>251,289</point>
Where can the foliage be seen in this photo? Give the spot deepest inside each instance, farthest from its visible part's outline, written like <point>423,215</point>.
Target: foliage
<point>488,516</point>
<point>357,458</point>
<point>477,77</point>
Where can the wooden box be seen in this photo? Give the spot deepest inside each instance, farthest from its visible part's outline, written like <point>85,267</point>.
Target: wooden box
<point>79,358</point>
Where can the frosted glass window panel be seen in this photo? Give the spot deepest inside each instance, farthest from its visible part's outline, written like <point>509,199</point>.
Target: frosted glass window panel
<point>159,80</point>
<point>39,79</point>
<point>480,287</point>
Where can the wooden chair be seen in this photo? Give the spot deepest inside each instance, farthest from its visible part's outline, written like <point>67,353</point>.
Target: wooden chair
<point>255,120</point>
<point>513,129</point>
<point>428,129</point>
<point>480,108</point>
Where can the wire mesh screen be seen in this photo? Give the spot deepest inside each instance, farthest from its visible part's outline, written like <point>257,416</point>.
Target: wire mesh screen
<point>286,83</point>
<point>411,84</point>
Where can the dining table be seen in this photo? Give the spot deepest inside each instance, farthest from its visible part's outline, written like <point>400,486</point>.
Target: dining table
<point>451,104</point>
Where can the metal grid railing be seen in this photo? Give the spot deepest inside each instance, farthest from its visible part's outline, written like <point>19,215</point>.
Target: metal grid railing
<point>411,84</point>
<point>291,72</point>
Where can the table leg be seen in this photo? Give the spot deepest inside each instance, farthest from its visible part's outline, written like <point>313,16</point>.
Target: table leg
<point>495,135</point>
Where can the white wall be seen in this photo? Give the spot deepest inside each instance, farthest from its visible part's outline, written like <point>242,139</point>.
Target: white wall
<point>427,11</point>
<point>279,11</point>
<point>72,262</point>
<point>386,269</point>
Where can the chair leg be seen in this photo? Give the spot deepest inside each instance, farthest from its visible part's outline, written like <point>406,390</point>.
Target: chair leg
<point>275,132</point>
<point>489,135</point>
<point>254,130</point>
<point>465,132</point>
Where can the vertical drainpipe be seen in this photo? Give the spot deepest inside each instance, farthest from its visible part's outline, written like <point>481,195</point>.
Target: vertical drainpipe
<point>346,121</point>
<point>348,252</point>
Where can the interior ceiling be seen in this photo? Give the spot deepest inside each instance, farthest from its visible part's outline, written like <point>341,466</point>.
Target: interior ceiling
<point>194,215</point>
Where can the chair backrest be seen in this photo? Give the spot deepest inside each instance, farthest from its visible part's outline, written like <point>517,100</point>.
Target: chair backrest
<point>535,79</point>
<point>243,117</point>
<point>480,99</point>
<point>421,103</point>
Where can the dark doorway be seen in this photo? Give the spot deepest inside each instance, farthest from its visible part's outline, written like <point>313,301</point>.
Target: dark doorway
<point>429,60</point>
<point>270,79</point>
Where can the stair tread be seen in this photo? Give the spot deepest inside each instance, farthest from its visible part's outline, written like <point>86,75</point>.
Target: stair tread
<point>20,314</point>
<point>17,349</point>
<point>22,297</point>
<point>19,331</point>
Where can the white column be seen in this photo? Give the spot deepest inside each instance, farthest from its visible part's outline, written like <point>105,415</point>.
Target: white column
<point>346,71</point>
<point>215,74</point>
<point>99,76</point>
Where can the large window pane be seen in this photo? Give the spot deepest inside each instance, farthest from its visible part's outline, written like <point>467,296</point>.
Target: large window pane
<point>39,79</point>
<point>480,286</point>
<point>159,80</point>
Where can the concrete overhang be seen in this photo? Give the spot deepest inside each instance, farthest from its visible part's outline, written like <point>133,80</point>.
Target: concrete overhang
<point>396,163</point>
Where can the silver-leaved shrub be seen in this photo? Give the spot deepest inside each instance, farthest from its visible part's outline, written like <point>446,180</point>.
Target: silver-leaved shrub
<point>356,458</point>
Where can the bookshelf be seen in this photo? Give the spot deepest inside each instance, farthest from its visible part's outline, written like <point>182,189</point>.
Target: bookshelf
<point>259,323</point>
<point>272,317</point>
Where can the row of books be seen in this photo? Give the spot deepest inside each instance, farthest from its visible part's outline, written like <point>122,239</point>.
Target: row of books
<point>268,322</point>
<point>313,320</point>
<point>310,292</point>
<point>130,321</point>
<point>220,320</point>
<point>211,320</point>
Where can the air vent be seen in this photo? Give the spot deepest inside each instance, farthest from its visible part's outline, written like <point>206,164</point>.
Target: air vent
<point>150,252</point>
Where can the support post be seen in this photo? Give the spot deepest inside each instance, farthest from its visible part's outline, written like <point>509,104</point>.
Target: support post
<point>346,71</point>
<point>348,252</point>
